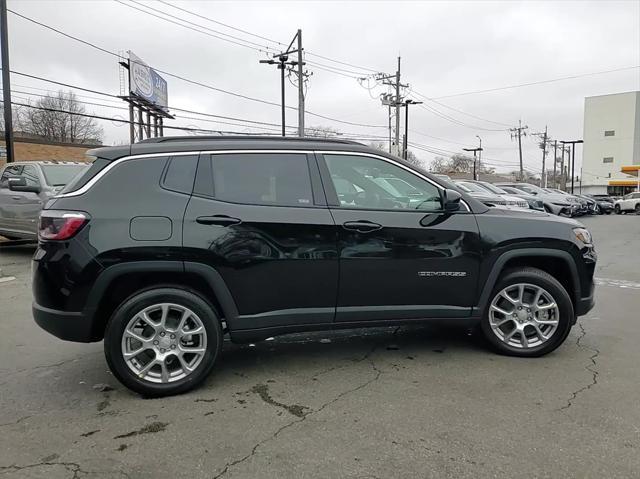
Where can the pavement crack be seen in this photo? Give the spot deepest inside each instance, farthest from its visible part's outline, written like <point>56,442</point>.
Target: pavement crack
<point>23,418</point>
<point>365,357</point>
<point>591,367</point>
<point>72,467</point>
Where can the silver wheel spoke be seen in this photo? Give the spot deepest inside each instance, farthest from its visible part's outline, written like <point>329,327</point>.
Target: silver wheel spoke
<point>500,310</point>
<point>156,353</point>
<point>544,318</point>
<point>508,298</point>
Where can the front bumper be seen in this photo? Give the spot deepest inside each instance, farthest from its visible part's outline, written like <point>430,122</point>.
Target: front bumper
<point>70,326</point>
<point>586,304</point>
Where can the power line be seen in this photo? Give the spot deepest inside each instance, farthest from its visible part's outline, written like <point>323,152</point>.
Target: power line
<point>455,120</point>
<point>197,83</point>
<point>266,38</point>
<point>571,77</point>
<point>459,111</point>
<point>247,44</point>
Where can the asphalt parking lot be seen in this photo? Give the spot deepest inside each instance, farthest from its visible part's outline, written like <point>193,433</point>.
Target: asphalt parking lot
<point>427,402</point>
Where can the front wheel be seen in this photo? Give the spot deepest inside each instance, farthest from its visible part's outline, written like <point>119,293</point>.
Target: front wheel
<point>530,314</point>
<point>637,210</point>
<point>163,341</point>
<point>617,209</point>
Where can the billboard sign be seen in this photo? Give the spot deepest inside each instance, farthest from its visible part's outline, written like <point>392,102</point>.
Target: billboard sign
<point>145,83</point>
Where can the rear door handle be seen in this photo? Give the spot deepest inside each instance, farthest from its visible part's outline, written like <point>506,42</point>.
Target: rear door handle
<point>362,226</point>
<point>220,220</point>
<point>16,197</point>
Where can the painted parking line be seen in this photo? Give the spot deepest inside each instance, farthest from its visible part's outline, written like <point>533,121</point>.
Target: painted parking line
<point>617,283</point>
<point>6,279</point>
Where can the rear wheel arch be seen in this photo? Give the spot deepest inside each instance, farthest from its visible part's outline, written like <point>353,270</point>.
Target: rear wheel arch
<point>119,282</point>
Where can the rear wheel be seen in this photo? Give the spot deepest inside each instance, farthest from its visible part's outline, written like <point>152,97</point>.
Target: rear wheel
<point>163,341</point>
<point>637,210</point>
<point>530,314</point>
<point>617,209</point>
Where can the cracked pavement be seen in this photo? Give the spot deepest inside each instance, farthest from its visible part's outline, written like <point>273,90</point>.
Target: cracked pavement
<point>426,402</point>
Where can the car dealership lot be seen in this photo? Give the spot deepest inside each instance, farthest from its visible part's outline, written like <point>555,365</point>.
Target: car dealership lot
<point>393,402</point>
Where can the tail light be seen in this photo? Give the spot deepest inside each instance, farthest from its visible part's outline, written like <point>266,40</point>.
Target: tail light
<point>60,225</point>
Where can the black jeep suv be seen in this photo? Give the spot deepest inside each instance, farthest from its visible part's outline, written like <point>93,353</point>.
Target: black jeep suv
<point>163,246</point>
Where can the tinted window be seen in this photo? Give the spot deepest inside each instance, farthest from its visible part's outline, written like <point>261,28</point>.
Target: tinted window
<point>180,173</point>
<point>371,183</point>
<point>274,179</point>
<point>30,173</point>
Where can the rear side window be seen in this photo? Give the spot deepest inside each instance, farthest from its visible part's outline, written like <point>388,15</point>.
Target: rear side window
<point>180,173</point>
<point>272,179</point>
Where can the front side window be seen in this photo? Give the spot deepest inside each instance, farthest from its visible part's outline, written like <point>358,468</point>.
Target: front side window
<point>272,179</point>
<point>30,173</point>
<point>371,183</point>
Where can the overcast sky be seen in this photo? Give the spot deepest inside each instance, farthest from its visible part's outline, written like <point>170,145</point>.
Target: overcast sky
<point>447,48</point>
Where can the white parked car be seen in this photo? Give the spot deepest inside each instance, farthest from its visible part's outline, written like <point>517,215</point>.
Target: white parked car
<point>628,204</point>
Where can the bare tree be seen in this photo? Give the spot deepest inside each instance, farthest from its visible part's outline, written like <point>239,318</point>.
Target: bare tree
<point>58,118</point>
<point>322,132</point>
<point>16,117</point>
<point>413,159</point>
<point>439,165</point>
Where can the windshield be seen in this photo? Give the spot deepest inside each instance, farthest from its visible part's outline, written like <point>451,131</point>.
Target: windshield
<point>471,187</point>
<point>531,189</point>
<point>60,175</point>
<point>492,188</point>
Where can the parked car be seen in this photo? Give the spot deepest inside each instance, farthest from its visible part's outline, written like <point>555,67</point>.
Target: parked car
<point>25,187</point>
<point>586,206</point>
<point>539,203</point>
<point>164,246</point>
<point>604,203</point>
<point>524,201</point>
<point>628,204</point>
<point>558,204</point>
<point>490,199</point>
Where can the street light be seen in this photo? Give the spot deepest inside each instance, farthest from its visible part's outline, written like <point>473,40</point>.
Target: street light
<point>573,143</point>
<point>281,62</point>
<point>406,125</point>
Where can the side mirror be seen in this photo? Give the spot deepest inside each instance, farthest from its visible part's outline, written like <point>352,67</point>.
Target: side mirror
<point>20,184</point>
<point>451,200</point>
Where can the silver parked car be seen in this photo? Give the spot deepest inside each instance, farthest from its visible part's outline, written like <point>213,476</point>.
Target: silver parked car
<point>24,189</point>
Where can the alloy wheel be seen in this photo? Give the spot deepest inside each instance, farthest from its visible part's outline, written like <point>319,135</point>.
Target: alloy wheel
<point>164,343</point>
<point>524,315</point>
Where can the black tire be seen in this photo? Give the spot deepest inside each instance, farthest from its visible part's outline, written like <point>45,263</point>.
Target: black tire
<point>617,209</point>
<point>637,210</point>
<point>608,212</point>
<point>139,301</point>
<point>555,289</point>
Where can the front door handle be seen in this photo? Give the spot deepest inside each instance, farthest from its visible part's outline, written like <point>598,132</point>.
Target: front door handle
<point>219,220</point>
<point>361,226</point>
<point>16,197</point>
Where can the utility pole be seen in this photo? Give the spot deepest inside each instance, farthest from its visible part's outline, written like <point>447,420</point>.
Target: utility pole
<point>543,145</point>
<point>6,83</point>
<point>519,132</point>
<point>393,100</point>
<point>300,86</point>
<point>573,144</point>
<point>475,167</point>
<point>476,171</point>
<point>405,150</point>
<point>282,66</point>
<point>555,161</point>
<point>398,100</point>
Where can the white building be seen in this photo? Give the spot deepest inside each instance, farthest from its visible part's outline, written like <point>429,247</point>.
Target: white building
<point>611,141</point>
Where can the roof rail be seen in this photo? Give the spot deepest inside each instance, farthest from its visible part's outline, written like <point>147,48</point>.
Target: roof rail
<point>166,139</point>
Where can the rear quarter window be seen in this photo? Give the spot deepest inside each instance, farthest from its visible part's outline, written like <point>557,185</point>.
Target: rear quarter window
<point>180,173</point>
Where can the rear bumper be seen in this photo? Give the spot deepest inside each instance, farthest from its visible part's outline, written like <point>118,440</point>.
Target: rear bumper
<point>70,326</point>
